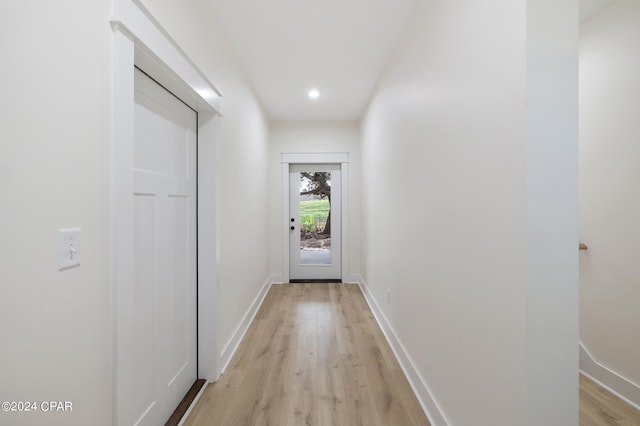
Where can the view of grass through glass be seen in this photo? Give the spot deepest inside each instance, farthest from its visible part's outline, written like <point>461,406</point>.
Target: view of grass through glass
<point>315,218</point>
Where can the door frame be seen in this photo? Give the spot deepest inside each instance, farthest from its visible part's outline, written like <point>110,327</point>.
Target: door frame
<point>341,158</point>
<point>138,40</point>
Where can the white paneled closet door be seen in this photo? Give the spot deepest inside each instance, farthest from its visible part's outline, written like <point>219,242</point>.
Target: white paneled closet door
<point>163,349</point>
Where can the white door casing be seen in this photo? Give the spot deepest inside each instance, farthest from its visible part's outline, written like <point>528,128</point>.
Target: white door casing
<point>329,263</point>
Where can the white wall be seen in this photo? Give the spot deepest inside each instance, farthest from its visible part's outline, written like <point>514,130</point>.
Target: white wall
<point>609,176</point>
<point>242,161</point>
<point>469,180</point>
<point>313,136</point>
<point>54,173</point>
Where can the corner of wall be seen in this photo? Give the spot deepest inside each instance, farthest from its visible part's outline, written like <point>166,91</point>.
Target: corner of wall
<point>355,279</point>
<point>418,384</point>
<point>276,279</point>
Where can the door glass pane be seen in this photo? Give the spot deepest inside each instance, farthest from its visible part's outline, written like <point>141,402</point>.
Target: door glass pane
<point>315,218</point>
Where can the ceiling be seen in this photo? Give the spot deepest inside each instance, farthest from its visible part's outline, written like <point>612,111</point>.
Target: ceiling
<point>339,47</point>
<point>288,47</point>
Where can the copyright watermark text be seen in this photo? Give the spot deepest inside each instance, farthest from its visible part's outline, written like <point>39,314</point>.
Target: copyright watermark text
<point>33,406</point>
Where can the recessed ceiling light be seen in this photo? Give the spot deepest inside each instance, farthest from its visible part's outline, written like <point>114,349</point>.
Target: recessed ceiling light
<point>313,94</point>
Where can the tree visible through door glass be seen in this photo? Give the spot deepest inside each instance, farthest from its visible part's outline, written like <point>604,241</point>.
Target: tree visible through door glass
<point>315,218</point>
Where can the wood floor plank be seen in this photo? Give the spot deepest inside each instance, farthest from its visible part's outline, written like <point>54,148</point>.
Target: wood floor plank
<point>367,316</point>
<point>304,407</point>
<point>599,407</point>
<point>359,402</point>
<point>340,322</point>
<point>312,356</point>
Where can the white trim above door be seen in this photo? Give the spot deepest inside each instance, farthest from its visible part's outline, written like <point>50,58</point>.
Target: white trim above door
<point>340,158</point>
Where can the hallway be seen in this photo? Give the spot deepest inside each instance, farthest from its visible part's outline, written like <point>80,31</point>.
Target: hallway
<point>482,142</point>
<point>313,355</point>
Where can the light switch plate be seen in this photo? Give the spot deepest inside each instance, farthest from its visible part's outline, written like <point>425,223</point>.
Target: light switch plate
<point>69,248</point>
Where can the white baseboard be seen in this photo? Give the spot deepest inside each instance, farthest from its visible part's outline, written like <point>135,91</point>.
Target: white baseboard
<point>419,386</point>
<point>609,379</point>
<point>233,343</point>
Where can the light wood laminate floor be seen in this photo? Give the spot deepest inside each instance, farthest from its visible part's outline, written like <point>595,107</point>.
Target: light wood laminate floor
<point>313,355</point>
<point>599,407</point>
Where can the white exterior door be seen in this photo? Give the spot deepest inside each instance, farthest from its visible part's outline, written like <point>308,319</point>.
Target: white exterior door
<point>162,341</point>
<point>315,242</point>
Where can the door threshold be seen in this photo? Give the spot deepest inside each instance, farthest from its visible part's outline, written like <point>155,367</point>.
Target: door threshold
<point>327,280</point>
<point>184,405</point>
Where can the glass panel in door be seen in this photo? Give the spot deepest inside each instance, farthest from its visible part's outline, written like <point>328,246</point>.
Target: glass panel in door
<point>315,218</point>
